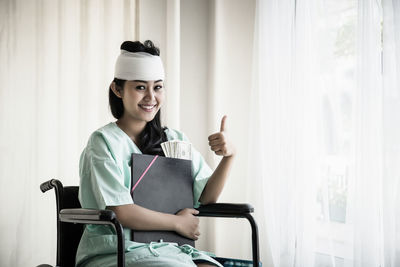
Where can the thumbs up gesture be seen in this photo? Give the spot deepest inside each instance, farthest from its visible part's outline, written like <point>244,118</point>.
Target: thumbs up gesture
<point>220,143</point>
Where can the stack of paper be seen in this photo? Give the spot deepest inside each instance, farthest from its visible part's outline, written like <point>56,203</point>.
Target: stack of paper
<point>177,149</point>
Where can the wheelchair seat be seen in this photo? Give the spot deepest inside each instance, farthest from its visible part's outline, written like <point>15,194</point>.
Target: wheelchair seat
<point>71,219</point>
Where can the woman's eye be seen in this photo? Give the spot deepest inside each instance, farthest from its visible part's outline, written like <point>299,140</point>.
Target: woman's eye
<point>158,87</point>
<point>140,87</point>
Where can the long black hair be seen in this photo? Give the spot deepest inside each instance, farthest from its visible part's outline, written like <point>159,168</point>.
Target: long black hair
<point>153,134</point>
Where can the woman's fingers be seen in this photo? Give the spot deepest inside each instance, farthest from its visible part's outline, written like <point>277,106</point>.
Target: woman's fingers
<point>214,136</point>
<point>188,224</point>
<point>217,148</point>
<point>217,142</point>
<point>193,211</point>
<point>220,142</point>
<point>220,147</point>
<point>223,124</point>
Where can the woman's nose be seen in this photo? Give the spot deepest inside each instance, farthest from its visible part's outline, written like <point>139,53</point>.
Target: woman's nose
<point>149,94</point>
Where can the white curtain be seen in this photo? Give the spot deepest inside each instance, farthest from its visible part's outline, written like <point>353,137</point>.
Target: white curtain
<point>284,134</point>
<point>325,130</point>
<point>391,132</point>
<point>57,60</point>
<point>367,171</point>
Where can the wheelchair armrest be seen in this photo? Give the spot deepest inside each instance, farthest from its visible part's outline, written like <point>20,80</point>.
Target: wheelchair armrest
<point>225,210</point>
<point>230,210</point>
<point>92,216</point>
<point>87,216</point>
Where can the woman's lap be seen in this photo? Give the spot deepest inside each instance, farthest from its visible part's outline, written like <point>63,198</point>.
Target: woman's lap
<point>162,256</point>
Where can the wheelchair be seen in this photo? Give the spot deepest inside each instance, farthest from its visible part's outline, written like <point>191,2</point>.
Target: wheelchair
<point>71,219</point>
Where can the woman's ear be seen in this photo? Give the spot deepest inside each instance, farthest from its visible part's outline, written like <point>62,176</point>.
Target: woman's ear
<point>116,90</point>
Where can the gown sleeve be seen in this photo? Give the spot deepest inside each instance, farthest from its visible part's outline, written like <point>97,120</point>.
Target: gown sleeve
<point>201,173</point>
<point>102,181</point>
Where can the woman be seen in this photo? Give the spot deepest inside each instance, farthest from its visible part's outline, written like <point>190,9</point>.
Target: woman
<point>136,96</point>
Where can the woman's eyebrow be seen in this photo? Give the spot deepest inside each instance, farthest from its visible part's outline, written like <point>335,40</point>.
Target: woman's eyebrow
<point>140,81</point>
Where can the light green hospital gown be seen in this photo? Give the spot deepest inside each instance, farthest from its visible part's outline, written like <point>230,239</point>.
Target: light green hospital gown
<point>105,181</point>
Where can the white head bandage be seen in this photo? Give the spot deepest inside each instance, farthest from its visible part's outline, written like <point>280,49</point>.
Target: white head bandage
<point>138,66</point>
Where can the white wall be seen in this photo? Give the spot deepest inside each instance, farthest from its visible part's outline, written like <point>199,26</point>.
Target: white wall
<point>216,44</point>
<point>194,82</point>
<point>233,43</point>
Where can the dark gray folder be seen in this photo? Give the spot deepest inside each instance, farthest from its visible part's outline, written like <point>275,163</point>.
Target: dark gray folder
<point>167,187</point>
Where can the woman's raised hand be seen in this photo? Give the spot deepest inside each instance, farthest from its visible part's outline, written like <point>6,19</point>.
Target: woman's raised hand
<point>187,224</point>
<point>220,142</point>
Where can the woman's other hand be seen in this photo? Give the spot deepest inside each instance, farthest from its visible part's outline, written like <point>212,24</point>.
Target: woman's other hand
<point>187,224</point>
<point>220,142</point>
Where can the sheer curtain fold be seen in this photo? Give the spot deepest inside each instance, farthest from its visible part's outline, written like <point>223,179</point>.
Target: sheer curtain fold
<point>367,190</point>
<point>391,132</point>
<point>172,62</point>
<point>293,108</point>
<point>57,61</point>
<point>285,135</point>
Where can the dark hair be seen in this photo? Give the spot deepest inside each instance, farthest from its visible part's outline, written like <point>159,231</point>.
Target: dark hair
<point>153,134</point>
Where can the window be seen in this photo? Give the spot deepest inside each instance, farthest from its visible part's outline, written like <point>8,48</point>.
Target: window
<point>337,32</point>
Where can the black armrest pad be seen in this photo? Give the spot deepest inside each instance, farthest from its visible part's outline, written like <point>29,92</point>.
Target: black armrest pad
<point>225,210</point>
<point>92,216</point>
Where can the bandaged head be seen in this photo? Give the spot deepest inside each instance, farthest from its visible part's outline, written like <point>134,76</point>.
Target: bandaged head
<point>138,66</point>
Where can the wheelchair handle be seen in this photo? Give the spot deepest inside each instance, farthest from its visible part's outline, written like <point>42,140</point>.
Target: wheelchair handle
<point>46,186</point>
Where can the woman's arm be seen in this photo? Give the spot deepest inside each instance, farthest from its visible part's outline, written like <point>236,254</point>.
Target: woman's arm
<point>222,146</point>
<point>216,182</point>
<point>139,218</point>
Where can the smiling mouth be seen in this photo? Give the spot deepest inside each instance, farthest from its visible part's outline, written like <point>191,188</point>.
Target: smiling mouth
<point>148,108</point>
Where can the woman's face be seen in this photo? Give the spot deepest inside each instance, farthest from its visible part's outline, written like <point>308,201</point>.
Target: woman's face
<point>142,99</point>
